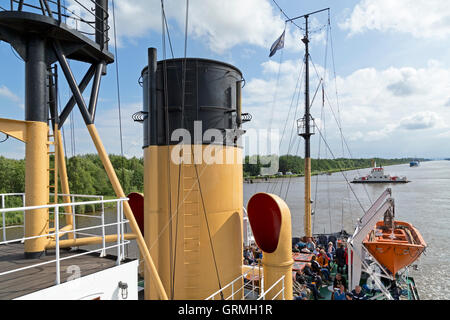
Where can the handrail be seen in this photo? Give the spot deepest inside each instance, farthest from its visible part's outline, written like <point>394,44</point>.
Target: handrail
<point>211,297</point>
<point>4,227</point>
<point>273,286</point>
<point>120,244</point>
<point>62,205</point>
<point>73,196</point>
<point>55,8</point>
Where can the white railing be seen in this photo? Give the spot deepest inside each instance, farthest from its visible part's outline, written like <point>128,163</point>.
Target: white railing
<point>120,221</point>
<point>272,287</point>
<point>248,233</point>
<point>73,197</point>
<point>241,286</point>
<point>250,286</point>
<point>4,227</point>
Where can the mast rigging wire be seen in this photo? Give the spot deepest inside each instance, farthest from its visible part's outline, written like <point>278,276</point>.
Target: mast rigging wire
<point>340,169</point>
<point>118,92</point>
<point>193,155</point>
<point>118,102</point>
<point>318,161</point>
<point>166,124</point>
<point>282,11</point>
<point>179,175</point>
<point>298,85</point>
<point>343,140</point>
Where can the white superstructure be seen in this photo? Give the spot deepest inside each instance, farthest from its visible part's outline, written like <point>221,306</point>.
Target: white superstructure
<point>377,175</point>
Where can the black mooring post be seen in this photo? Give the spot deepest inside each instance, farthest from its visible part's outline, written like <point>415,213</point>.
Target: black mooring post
<point>101,23</point>
<point>59,10</point>
<point>150,122</point>
<point>36,93</point>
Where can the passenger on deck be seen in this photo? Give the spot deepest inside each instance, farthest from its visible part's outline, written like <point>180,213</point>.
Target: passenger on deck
<point>307,270</point>
<point>310,245</point>
<point>303,280</point>
<point>356,294</point>
<point>300,245</point>
<point>323,259</point>
<point>341,258</point>
<point>331,251</point>
<point>316,267</point>
<point>338,281</point>
<point>258,254</point>
<point>339,294</point>
<point>248,255</point>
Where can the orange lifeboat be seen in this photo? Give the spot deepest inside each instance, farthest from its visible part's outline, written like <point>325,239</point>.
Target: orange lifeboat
<point>395,248</point>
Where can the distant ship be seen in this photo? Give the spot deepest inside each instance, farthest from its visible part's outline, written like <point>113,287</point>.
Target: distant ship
<point>377,175</point>
<point>414,163</point>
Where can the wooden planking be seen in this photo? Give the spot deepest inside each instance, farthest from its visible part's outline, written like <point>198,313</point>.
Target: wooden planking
<point>20,283</point>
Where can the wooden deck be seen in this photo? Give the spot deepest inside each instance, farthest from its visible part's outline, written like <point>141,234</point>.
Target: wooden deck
<point>17,284</point>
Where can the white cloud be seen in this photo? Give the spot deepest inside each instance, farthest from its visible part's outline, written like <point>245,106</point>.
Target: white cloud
<point>5,92</point>
<point>421,120</point>
<point>420,18</point>
<point>220,24</point>
<point>386,106</point>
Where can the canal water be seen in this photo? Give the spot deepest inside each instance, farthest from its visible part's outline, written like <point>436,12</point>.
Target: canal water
<point>424,202</point>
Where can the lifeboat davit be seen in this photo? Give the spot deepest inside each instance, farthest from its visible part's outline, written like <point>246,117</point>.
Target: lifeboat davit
<point>395,248</point>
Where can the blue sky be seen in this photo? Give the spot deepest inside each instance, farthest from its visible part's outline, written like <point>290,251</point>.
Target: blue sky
<point>391,59</point>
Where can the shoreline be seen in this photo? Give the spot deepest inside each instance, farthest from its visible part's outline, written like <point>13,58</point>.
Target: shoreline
<point>260,179</point>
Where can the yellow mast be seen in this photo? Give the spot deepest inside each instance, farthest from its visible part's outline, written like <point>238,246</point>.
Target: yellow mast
<point>305,129</point>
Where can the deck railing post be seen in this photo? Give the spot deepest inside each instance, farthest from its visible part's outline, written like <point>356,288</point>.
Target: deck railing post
<point>24,215</point>
<point>232,290</point>
<point>56,218</point>
<point>118,231</point>
<point>3,218</point>
<point>103,253</point>
<point>122,230</point>
<point>74,218</point>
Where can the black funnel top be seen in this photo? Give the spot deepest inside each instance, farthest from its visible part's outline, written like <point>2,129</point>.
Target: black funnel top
<point>208,94</point>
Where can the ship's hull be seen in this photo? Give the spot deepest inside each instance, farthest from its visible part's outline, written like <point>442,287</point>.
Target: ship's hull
<point>384,181</point>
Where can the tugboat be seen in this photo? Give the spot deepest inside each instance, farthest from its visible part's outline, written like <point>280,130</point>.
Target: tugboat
<point>377,175</point>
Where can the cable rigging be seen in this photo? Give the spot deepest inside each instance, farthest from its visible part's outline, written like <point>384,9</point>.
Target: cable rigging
<point>198,174</point>
<point>118,99</point>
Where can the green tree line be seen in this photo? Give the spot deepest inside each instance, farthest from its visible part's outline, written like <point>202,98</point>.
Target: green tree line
<point>296,164</point>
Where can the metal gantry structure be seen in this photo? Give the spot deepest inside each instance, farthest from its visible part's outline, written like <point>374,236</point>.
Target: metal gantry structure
<point>42,35</point>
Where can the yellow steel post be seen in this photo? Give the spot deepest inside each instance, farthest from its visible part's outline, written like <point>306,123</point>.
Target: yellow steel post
<point>149,265</point>
<point>64,180</point>
<point>307,218</point>
<point>36,187</point>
